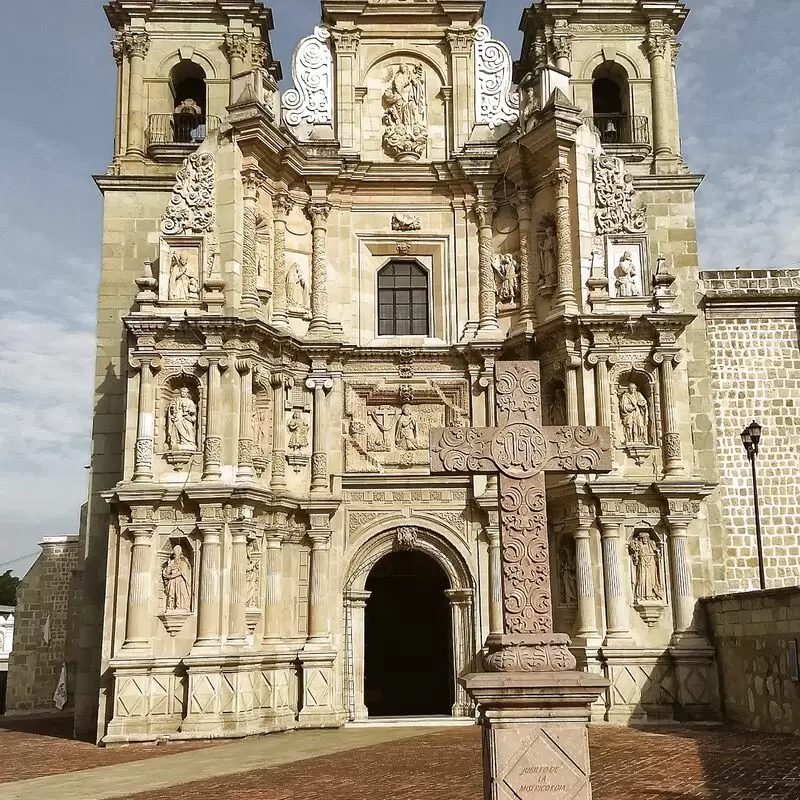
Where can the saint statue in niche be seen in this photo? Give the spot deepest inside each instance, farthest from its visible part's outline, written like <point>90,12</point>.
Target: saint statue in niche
<point>182,422</point>
<point>177,576</point>
<point>557,405</point>
<point>646,557</point>
<point>259,422</point>
<point>547,253</point>
<point>295,289</point>
<point>529,104</point>
<point>183,284</point>
<point>298,432</point>
<point>405,123</point>
<point>625,275</point>
<point>567,583</point>
<point>253,574</point>
<point>405,430</point>
<point>635,415</point>
<point>507,272</point>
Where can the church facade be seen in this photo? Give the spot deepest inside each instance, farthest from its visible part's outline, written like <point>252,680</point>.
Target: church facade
<point>298,286</point>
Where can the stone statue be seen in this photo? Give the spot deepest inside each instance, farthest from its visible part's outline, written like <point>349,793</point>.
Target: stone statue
<point>183,285</point>
<point>405,430</point>
<point>405,123</point>
<point>557,405</point>
<point>547,252</point>
<point>259,421</point>
<point>182,422</point>
<point>188,106</point>
<point>528,106</point>
<point>626,278</point>
<point>253,574</point>
<point>635,415</point>
<point>295,289</point>
<point>404,221</point>
<point>298,430</point>
<point>177,576</point>
<point>507,272</point>
<point>567,582</point>
<point>646,557</point>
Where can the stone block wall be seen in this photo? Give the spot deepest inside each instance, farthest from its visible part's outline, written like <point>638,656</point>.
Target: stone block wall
<point>752,322</point>
<point>51,587</point>
<point>753,633</point>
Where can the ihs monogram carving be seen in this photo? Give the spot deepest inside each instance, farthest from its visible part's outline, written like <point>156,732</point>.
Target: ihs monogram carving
<point>614,212</point>
<point>496,102</point>
<point>311,98</point>
<point>191,207</point>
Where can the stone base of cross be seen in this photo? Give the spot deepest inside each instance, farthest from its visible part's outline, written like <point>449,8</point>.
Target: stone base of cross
<point>533,703</point>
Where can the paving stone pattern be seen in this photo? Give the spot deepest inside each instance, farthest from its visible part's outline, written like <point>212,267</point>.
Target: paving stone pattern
<point>627,764</point>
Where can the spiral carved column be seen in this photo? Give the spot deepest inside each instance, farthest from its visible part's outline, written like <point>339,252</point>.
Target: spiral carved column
<point>251,180</point>
<point>318,214</point>
<point>565,293</point>
<point>282,205</point>
<point>487,298</point>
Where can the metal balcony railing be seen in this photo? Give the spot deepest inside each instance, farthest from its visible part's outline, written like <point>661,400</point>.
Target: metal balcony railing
<point>622,129</point>
<point>180,129</point>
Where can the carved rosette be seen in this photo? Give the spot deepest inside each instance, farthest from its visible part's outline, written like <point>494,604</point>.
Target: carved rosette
<point>310,100</point>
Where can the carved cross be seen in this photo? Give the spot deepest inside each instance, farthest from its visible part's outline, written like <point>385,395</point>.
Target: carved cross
<point>522,450</point>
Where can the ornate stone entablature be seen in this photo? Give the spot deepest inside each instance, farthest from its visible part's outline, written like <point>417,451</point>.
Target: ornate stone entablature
<point>310,101</point>
<point>496,101</point>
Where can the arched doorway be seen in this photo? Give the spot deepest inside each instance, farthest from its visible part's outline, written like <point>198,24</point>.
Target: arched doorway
<point>408,659</point>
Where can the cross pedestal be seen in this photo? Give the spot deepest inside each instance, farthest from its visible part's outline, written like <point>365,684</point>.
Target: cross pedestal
<point>534,705</point>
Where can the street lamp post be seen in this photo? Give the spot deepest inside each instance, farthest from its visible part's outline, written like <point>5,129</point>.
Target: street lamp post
<point>751,436</point>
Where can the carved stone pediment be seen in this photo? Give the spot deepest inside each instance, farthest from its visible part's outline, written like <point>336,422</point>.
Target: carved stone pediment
<point>387,423</point>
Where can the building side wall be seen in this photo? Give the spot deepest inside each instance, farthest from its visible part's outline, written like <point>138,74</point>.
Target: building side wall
<point>752,320</point>
<point>753,634</point>
<point>50,589</point>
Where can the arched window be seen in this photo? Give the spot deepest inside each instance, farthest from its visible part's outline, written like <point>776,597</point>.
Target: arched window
<point>188,84</point>
<point>611,103</point>
<point>403,300</point>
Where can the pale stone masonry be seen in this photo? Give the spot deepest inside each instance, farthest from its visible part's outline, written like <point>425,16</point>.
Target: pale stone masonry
<point>752,321</point>
<point>297,286</point>
<point>757,635</point>
<point>46,629</point>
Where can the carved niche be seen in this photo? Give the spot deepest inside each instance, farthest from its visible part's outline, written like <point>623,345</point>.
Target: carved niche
<point>636,410</point>
<point>387,423</point>
<point>554,406</point>
<point>546,246</point>
<point>405,119</point>
<point>181,420</point>
<point>261,421</point>
<point>177,575</point>
<point>567,576</point>
<point>496,102</point>
<point>648,581</point>
<point>310,100</point>
<point>297,410</point>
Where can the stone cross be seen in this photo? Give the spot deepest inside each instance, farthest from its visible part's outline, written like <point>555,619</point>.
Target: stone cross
<point>522,450</point>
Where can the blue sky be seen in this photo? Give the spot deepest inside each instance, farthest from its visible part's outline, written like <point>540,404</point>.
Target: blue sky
<point>739,125</point>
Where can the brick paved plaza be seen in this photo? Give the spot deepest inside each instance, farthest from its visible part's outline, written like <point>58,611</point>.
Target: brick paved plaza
<point>653,764</point>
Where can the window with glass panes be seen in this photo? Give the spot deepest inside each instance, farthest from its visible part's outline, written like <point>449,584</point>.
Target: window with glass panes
<point>403,299</point>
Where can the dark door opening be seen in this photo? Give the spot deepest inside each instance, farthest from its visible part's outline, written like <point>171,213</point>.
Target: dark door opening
<point>407,645</point>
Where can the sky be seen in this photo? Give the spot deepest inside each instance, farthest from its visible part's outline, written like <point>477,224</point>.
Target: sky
<point>739,123</point>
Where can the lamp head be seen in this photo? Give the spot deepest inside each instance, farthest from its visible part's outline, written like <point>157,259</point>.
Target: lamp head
<point>751,436</point>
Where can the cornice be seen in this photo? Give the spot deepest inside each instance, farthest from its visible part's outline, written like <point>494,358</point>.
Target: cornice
<point>120,12</point>
<point>134,183</point>
<point>686,182</point>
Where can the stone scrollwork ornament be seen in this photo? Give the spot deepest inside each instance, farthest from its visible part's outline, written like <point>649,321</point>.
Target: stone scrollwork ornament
<point>405,120</point>
<point>496,102</point>
<point>311,98</point>
<point>614,212</point>
<point>191,207</point>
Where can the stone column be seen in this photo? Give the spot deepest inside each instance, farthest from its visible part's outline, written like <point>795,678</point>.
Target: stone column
<point>673,459</point>
<point>277,379</point>
<point>571,367</point>
<point>675,47</point>
<point>586,622</point>
<point>561,45</point>
<point>564,297</point>
<point>346,43</point>
<point>273,568</point>
<point>357,603</point>
<point>461,624</point>
<point>282,205</point>
<point>616,606</point>
<point>527,298</point>
<point>495,575</point>
<point>237,48</point>
<point>602,387</point>
<point>656,47</point>
<point>320,385</point>
<point>318,214</point>
<point>237,623</point>
<point>212,451</point>
<point>318,617</point>
<point>486,381</point>
<point>208,606</point>
<point>145,430</point>
<point>487,299</point>
<point>136,45</point>
<point>681,577</point>
<point>118,50</point>
<point>140,590</point>
<point>244,460</point>
<point>251,181</point>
